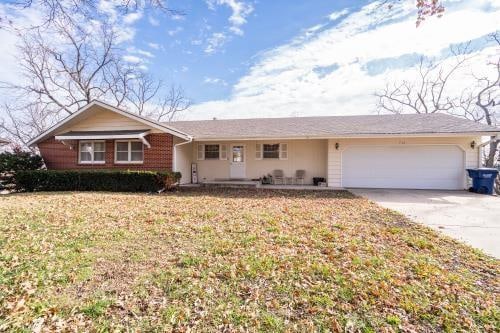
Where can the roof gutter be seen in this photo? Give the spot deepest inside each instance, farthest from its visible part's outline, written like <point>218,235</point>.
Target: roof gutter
<point>350,136</point>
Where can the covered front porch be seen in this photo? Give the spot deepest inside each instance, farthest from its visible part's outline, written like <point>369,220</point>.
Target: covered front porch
<point>232,183</point>
<point>266,163</point>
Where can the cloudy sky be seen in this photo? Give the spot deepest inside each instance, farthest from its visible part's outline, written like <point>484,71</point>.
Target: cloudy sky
<point>258,58</point>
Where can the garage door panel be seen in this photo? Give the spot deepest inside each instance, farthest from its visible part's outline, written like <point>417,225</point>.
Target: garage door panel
<point>409,184</point>
<point>425,167</point>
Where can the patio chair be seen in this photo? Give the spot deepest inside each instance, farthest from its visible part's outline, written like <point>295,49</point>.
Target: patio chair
<point>299,176</point>
<point>278,176</point>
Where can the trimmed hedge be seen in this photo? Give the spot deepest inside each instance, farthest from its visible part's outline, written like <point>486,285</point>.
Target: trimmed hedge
<point>110,181</point>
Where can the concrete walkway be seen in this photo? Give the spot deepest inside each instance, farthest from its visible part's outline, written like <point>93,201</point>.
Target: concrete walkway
<point>469,217</point>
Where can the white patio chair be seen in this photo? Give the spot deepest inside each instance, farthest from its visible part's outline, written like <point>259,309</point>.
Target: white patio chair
<point>299,176</point>
<point>278,177</point>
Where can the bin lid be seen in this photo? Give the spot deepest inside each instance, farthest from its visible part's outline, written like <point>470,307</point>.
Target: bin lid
<point>483,169</point>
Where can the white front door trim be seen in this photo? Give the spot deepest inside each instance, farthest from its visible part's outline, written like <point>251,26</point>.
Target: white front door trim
<point>237,170</point>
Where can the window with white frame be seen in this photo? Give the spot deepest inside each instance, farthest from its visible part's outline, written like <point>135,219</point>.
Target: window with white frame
<point>92,152</point>
<point>131,151</point>
<point>271,151</point>
<point>212,152</point>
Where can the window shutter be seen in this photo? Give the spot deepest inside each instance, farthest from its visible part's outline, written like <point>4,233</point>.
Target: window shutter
<point>223,152</point>
<point>258,151</point>
<point>283,151</point>
<point>201,152</point>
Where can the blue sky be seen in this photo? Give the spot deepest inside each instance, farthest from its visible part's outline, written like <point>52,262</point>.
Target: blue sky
<point>181,45</point>
<point>258,58</point>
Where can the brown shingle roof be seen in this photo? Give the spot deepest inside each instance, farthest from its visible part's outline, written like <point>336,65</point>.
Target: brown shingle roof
<point>412,124</point>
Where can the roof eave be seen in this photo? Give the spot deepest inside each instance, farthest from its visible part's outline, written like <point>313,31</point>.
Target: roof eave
<point>141,119</point>
<point>346,136</point>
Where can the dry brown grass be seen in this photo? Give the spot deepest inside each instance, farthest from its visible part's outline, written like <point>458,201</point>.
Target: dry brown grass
<point>234,260</point>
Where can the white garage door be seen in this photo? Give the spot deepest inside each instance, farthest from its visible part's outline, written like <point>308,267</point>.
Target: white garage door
<point>412,167</point>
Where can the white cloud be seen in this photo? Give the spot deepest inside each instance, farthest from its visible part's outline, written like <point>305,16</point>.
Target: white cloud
<point>175,31</point>
<point>178,17</point>
<point>336,15</point>
<point>215,42</point>
<point>145,53</point>
<point>135,51</point>
<point>108,8</point>
<point>132,59</point>
<point>132,17</point>
<point>214,80</point>
<point>329,73</point>
<point>10,69</point>
<point>153,21</point>
<point>154,46</point>
<point>240,10</point>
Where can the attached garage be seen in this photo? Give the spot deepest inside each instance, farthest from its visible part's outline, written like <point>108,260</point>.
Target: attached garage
<point>403,166</point>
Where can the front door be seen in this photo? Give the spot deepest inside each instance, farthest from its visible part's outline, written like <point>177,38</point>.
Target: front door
<point>237,168</point>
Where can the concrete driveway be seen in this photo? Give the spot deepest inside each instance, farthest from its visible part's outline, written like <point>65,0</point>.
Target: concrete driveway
<point>469,217</point>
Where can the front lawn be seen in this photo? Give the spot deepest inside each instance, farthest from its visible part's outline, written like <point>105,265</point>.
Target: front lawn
<point>234,260</point>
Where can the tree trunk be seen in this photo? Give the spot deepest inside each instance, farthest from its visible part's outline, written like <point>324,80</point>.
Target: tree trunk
<point>491,161</point>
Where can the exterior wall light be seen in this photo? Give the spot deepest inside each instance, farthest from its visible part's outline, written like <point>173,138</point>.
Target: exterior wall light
<point>473,144</point>
<point>337,146</point>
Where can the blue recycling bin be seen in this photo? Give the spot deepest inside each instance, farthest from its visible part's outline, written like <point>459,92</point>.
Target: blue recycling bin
<point>483,180</point>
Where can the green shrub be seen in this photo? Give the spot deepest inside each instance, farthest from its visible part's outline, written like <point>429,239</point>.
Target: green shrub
<point>111,181</point>
<point>12,162</point>
<point>19,160</point>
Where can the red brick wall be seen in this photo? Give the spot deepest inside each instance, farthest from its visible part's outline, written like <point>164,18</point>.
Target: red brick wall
<point>58,156</point>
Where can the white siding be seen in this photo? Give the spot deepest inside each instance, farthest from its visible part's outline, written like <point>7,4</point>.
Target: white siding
<point>309,155</point>
<point>182,160</point>
<point>103,120</point>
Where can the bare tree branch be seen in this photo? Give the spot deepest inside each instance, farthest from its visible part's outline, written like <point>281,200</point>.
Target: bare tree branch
<point>427,93</point>
<point>74,10</point>
<point>69,68</point>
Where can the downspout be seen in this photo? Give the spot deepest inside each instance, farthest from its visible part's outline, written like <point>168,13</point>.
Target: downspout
<point>481,146</point>
<point>190,139</point>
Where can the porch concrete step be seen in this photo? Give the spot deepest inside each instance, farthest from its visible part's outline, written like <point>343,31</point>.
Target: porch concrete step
<point>231,183</point>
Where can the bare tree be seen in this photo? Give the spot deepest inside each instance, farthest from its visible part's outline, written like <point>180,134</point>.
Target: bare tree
<point>174,102</point>
<point>143,90</point>
<point>72,66</point>
<point>75,10</point>
<point>481,103</point>
<point>65,70</point>
<point>427,94</point>
<point>22,124</point>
